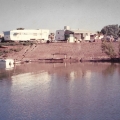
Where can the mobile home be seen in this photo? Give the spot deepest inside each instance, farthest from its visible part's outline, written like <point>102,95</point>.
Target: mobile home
<point>26,35</point>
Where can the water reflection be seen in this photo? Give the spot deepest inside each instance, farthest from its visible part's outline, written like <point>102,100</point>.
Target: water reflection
<point>6,65</point>
<point>82,91</point>
<point>110,69</point>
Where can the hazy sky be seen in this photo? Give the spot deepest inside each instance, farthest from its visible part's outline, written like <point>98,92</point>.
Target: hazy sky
<point>55,14</point>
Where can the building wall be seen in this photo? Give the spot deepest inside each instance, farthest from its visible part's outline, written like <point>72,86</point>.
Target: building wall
<point>7,35</point>
<point>87,37</point>
<point>77,35</point>
<point>60,35</point>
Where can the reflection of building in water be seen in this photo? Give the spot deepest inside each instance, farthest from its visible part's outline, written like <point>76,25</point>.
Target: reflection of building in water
<point>6,64</point>
<point>72,75</point>
<point>75,74</point>
<point>29,78</point>
<point>29,87</point>
<point>71,71</point>
<point>88,74</point>
<point>88,79</point>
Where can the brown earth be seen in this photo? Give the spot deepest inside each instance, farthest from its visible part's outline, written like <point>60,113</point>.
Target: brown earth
<point>84,51</point>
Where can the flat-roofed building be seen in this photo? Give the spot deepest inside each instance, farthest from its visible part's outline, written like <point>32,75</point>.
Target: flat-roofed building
<point>72,35</point>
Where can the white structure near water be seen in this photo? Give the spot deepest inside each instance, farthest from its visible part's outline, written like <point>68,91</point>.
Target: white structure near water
<point>6,63</point>
<point>26,35</point>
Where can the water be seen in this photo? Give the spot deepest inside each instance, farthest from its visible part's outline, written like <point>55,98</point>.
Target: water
<point>77,91</point>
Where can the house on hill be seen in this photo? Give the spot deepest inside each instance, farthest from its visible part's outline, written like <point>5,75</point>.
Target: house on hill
<point>70,35</point>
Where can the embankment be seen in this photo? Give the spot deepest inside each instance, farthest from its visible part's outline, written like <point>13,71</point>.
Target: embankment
<point>69,51</point>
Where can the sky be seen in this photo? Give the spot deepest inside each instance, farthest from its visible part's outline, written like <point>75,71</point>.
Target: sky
<point>55,14</point>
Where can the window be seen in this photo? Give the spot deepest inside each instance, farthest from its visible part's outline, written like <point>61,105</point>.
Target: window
<point>6,33</point>
<point>14,34</point>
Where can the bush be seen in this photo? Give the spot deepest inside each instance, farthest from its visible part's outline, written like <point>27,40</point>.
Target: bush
<point>108,49</point>
<point>1,53</point>
<point>6,51</point>
<point>17,49</point>
<point>11,49</point>
<point>26,43</point>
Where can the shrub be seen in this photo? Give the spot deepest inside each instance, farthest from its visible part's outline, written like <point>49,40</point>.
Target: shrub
<point>1,53</point>
<point>108,49</point>
<point>26,43</point>
<point>6,51</point>
<point>17,49</point>
<point>11,49</point>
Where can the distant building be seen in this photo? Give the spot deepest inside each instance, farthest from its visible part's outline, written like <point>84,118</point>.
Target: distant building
<point>26,35</point>
<point>70,35</point>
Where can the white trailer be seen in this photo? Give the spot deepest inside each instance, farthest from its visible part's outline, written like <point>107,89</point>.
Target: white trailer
<point>26,35</point>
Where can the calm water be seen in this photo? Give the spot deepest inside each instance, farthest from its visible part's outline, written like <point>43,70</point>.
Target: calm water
<point>82,91</point>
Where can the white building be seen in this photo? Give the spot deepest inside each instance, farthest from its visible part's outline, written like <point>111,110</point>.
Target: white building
<point>73,35</point>
<point>26,35</point>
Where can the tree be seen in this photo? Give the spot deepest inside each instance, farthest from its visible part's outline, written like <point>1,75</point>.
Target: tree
<point>113,30</point>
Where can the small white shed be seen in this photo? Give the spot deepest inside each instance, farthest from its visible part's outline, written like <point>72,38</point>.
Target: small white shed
<point>6,63</point>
